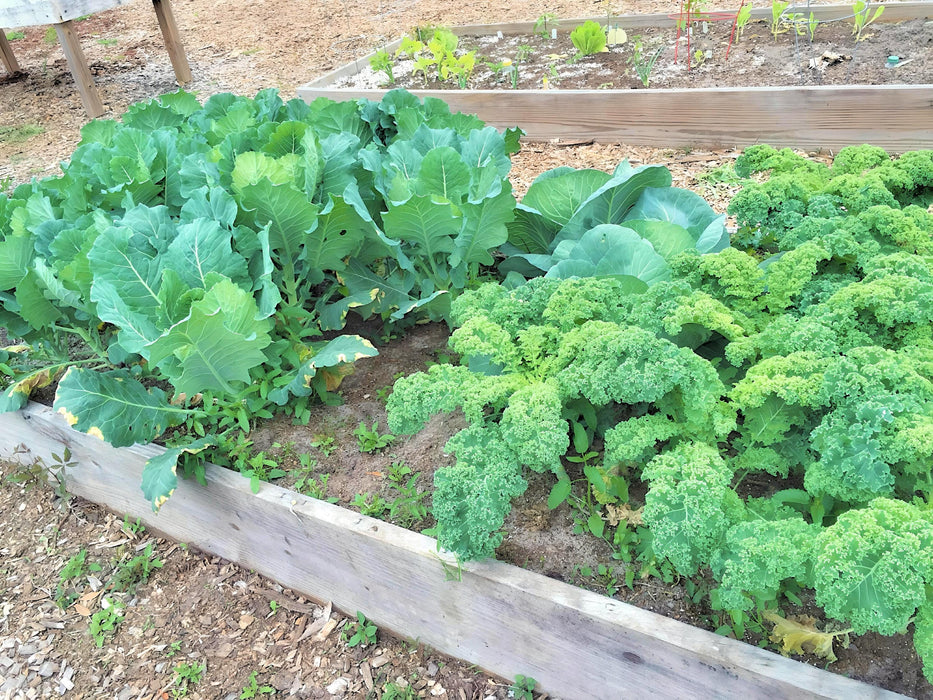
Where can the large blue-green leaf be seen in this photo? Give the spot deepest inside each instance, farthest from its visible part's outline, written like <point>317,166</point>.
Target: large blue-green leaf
<point>35,309</point>
<point>217,344</point>
<point>484,228</point>
<point>114,406</point>
<point>339,231</point>
<point>429,227</point>
<point>612,201</point>
<point>15,255</point>
<point>531,231</point>
<point>715,236</point>
<point>130,265</point>
<point>676,206</point>
<point>559,193</point>
<point>611,251</point>
<point>666,238</point>
<point>210,203</point>
<point>444,174</point>
<point>202,247</point>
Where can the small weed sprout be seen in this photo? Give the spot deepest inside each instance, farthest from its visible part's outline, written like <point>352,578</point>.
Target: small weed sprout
<point>104,622</point>
<point>361,632</point>
<point>642,62</point>
<point>742,19</point>
<point>252,688</point>
<point>541,28</point>
<point>186,674</point>
<point>523,687</point>
<point>369,440</point>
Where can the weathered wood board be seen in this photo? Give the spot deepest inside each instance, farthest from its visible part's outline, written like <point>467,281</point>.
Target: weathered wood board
<point>28,13</point>
<point>504,619</point>
<point>821,117</point>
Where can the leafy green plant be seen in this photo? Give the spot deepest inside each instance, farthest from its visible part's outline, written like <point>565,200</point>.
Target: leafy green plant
<point>588,38</point>
<point>173,649</point>
<point>523,53</point>
<point>369,439</point>
<point>862,17</point>
<point>206,260</point>
<point>382,61</point>
<point>408,507</point>
<point>778,23</point>
<point>544,24</point>
<point>325,444</point>
<point>409,48</point>
<point>642,62</point>
<point>812,24</point>
<point>130,574</point>
<point>360,632</point>
<point>394,691</point>
<point>252,688</point>
<point>104,622</point>
<point>460,67</point>
<point>742,18</point>
<point>15,35</point>
<point>51,36</point>
<point>186,675</point>
<point>75,568</point>
<point>523,687</point>
<point>370,504</point>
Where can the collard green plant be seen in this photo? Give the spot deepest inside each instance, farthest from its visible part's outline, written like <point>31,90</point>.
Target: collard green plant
<point>186,263</point>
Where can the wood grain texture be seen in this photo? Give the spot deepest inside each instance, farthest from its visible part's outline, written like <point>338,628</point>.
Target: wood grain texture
<point>824,117</point>
<point>28,13</point>
<point>90,98</point>
<point>504,619</point>
<point>6,54</point>
<point>173,43</point>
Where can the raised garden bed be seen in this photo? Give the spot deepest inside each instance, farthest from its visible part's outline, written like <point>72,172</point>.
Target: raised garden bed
<point>506,620</point>
<point>799,114</point>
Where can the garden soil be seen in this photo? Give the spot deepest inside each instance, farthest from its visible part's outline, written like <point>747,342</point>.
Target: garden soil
<point>196,609</point>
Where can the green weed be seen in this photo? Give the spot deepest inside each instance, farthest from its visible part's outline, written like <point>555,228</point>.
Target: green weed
<point>369,440</point>
<point>361,632</point>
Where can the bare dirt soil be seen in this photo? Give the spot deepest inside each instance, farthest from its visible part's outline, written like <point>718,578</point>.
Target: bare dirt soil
<point>197,609</point>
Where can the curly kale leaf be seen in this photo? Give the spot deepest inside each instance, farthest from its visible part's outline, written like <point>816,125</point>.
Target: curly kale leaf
<point>689,505</point>
<point>759,555</point>
<point>414,399</point>
<point>871,565</point>
<point>532,426</point>
<point>472,497</point>
<point>857,159</point>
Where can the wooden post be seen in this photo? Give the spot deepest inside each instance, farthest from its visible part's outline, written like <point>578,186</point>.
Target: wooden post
<point>176,51</point>
<point>79,69</point>
<point>6,54</point>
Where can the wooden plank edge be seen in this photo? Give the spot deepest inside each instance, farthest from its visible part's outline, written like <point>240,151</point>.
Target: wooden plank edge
<point>742,116</point>
<point>502,618</point>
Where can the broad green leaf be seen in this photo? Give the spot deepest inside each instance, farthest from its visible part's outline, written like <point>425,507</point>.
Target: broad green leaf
<point>217,344</point>
<point>444,174</point>
<point>558,194</point>
<point>666,238</point>
<point>252,168</point>
<point>150,116</point>
<point>612,201</point>
<point>183,102</point>
<point>676,206</point>
<point>214,203</point>
<point>114,406</point>
<point>559,493</point>
<point>286,139</point>
<point>15,255</point>
<point>159,475</point>
<point>484,228</point>
<point>201,247</point>
<point>130,266</point>
<point>429,227</point>
<point>611,250</point>
<point>261,269</point>
<point>531,231</point>
<point>339,231</point>
<point>35,309</point>
<point>715,237</point>
<point>769,423</point>
<point>287,211</point>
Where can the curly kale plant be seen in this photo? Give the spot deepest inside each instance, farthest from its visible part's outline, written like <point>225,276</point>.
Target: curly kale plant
<point>807,357</point>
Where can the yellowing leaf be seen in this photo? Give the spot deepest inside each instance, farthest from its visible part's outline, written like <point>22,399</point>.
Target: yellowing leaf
<point>804,637</point>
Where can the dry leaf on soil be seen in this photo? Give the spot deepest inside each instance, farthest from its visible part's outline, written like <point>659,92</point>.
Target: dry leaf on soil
<point>804,637</point>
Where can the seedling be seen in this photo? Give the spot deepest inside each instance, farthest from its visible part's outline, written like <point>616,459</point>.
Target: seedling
<point>130,574</point>
<point>15,35</point>
<point>363,632</point>
<point>75,568</point>
<point>50,35</point>
<point>253,689</point>
<point>186,674</point>
<point>369,440</point>
<point>104,622</point>
<point>172,649</point>
<point>643,63</point>
<point>812,23</point>
<point>393,691</point>
<point>382,61</point>
<point>742,19</point>
<point>777,25</point>
<point>370,504</point>
<point>588,39</point>
<point>324,444</point>
<point>541,27</point>
<point>861,12</point>
<point>523,687</point>
<point>523,53</point>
